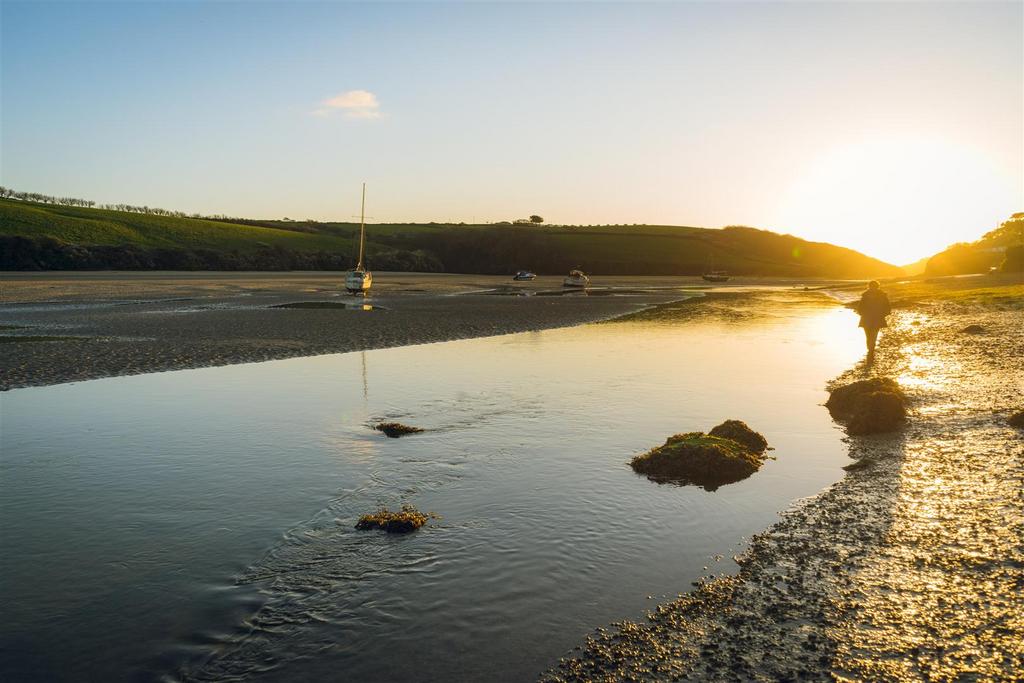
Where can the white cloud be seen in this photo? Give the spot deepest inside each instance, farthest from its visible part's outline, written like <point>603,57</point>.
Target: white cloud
<point>356,104</point>
<point>354,99</point>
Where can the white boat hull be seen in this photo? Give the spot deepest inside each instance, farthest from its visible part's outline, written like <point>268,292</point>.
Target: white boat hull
<point>358,281</point>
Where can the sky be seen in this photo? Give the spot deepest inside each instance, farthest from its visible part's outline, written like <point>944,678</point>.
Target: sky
<point>891,128</point>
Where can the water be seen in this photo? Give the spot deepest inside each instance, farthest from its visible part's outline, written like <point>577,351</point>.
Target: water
<point>199,524</point>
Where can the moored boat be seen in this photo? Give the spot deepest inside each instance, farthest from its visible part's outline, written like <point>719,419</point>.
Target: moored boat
<point>359,279</point>
<point>524,275</point>
<point>576,278</point>
<point>716,276</point>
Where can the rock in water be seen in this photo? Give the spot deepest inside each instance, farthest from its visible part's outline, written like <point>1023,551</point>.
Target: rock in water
<point>880,411</point>
<point>738,431</point>
<point>869,406</point>
<point>973,329</point>
<point>698,458</point>
<point>396,429</point>
<point>401,522</point>
<point>1017,420</point>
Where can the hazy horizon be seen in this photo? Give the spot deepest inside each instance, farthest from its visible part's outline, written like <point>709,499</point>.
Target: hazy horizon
<point>891,129</point>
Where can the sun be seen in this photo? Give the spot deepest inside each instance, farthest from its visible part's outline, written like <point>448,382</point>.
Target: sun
<point>899,199</point>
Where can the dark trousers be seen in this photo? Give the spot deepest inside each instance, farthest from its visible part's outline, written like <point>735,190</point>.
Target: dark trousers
<point>871,336</point>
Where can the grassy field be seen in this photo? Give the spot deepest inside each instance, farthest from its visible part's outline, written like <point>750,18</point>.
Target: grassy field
<point>75,225</point>
<point>546,249</point>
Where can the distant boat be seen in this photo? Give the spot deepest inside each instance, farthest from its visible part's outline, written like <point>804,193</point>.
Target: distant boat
<point>577,278</point>
<point>524,275</point>
<point>716,276</point>
<point>358,280</point>
<point>712,275</point>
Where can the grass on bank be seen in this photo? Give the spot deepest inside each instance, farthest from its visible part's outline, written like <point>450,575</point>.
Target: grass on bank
<point>547,249</point>
<point>76,225</point>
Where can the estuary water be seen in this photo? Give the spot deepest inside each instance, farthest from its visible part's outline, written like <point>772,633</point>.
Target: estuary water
<point>198,525</point>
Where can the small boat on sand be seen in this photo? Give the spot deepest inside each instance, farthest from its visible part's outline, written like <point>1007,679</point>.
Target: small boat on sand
<point>358,280</point>
<point>576,278</point>
<point>524,275</point>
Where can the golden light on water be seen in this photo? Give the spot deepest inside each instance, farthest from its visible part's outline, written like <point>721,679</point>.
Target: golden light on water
<point>899,199</point>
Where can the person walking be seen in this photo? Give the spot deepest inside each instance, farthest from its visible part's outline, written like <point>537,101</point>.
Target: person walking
<point>873,307</point>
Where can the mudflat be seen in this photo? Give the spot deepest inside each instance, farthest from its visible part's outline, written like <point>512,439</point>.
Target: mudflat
<point>70,326</point>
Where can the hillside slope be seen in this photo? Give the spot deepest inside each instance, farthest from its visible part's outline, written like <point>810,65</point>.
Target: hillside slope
<point>1001,249</point>
<point>76,225</point>
<point>44,236</point>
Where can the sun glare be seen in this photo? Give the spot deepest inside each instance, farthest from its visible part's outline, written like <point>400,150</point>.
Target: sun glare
<point>899,199</point>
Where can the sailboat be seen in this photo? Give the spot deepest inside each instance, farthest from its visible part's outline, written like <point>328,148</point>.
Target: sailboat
<point>358,280</point>
<point>712,275</point>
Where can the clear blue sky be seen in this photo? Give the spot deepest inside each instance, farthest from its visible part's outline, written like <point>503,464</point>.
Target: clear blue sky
<point>892,128</point>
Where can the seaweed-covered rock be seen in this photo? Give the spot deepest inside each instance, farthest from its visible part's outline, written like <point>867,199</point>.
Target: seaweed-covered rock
<point>401,522</point>
<point>738,431</point>
<point>1017,420</point>
<point>869,406</point>
<point>881,412</point>
<point>973,329</point>
<point>396,429</point>
<point>698,458</point>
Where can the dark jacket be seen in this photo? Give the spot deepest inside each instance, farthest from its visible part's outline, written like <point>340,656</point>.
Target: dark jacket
<point>873,307</point>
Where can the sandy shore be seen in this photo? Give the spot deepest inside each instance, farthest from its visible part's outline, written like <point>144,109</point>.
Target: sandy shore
<point>909,568</point>
<point>63,327</point>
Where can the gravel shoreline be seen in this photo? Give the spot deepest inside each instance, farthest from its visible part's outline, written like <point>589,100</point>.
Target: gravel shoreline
<point>909,568</point>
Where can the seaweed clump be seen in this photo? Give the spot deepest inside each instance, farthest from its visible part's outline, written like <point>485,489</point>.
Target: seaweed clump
<point>1017,419</point>
<point>738,431</point>
<point>869,406</point>
<point>697,458</point>
<point>400,522</point>
<point>396,429</point>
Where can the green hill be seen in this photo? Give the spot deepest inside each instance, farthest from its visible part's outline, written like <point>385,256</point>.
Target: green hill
<point>48,236</point>
<point>999,249</point>
<point>55,237</point>
<point>75,225</point>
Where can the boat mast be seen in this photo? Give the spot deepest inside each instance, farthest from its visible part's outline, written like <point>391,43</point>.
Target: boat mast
<point>362,229</point>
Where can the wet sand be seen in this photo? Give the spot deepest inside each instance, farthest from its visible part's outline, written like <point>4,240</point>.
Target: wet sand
<point>909,568</point>
<point>64,327</point>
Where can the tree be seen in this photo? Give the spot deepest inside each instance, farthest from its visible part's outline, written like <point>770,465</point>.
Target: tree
<point>536,219</point>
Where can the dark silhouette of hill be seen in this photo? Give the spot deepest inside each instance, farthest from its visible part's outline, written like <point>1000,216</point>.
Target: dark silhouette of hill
<point>1001,249</point>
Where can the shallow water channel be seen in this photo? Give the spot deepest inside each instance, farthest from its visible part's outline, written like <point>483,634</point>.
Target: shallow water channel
<point>198,525</point>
